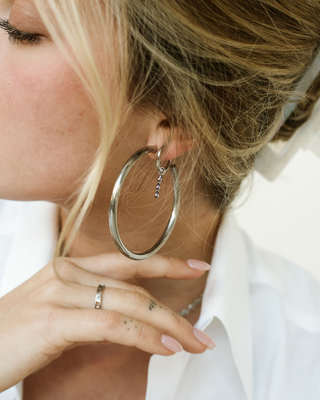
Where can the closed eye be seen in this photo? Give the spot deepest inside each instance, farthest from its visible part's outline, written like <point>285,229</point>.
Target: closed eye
<point>18,36</point>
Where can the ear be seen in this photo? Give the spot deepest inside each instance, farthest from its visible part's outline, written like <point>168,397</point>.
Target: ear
<point>178,145</point>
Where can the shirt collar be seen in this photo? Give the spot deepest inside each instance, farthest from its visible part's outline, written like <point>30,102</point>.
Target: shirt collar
<point>33,241</point>
<point>227,297</point>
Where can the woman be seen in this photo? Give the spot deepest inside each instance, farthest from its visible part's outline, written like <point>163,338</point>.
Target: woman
<point>84,86</point>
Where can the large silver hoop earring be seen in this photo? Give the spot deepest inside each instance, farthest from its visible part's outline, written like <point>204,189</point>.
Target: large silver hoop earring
<point>116,194</point>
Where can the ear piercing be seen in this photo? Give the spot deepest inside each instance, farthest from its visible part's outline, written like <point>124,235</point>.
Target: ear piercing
<point>162,172</point>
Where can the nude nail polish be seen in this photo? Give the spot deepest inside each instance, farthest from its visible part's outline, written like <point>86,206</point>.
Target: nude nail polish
<point>171,344</point>
<point>204,338</point>
<point>197,264</point>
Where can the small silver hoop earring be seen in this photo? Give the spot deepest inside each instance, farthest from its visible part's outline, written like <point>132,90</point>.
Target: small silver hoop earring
<point>113,225</point>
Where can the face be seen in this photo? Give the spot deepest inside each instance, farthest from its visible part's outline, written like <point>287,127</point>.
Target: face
<point>48,128</point>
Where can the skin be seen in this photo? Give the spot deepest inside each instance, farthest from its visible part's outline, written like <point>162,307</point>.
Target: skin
<point>49,134</point>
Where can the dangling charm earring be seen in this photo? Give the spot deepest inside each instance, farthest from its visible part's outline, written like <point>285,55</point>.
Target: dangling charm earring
<point>113,225</point>
<point>158,187</point>
<point>162,172</point>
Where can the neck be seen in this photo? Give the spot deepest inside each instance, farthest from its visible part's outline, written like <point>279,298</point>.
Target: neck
<point>193,237</point>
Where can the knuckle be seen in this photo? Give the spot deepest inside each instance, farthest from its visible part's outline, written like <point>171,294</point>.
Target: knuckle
<point>60,265</point>
<point>168,262</point>
<point>143,332</point>
<point>111,320</point>
<point>134,299</point>
<point>63,268</point>
<point>58,268</point>
<point>52,292</point>
<point>51,325</point>
<point>53,287</point>
<point>47,272</point>
<point>179,321</point>
<point>141,290</point>
<point>47,320</point>
<point>52,318</point>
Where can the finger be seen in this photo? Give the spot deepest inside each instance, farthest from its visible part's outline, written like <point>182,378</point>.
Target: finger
<point>72,273</point>
<point>117,266</point>
<point>138,306</point>
<point>84,326</point>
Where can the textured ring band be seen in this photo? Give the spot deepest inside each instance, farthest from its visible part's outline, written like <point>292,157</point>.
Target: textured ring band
<point>98,297</point>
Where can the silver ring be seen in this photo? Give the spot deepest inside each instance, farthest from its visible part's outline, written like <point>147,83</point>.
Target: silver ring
<point>113,225</point>
<point>98,297</point>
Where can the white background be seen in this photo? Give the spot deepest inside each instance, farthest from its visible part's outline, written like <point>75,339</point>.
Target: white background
<point>284,216</point>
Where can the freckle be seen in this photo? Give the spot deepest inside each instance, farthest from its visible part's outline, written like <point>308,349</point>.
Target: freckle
<point>128,329</point>
<point>125,322</point>
<point>135,325</point>
<point>131,320</point>
<point>165,309</point>
<point>172,313</point>
<point>160,306</point>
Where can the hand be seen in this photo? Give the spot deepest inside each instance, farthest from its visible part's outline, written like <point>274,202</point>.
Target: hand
<point>54,311</point>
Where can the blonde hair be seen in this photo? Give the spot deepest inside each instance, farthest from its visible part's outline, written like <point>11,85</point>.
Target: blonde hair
<point>220,69</point>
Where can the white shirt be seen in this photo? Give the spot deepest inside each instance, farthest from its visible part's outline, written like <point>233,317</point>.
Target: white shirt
<point>262,311</point>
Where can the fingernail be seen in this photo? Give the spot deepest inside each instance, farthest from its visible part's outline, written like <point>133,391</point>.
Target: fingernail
<point>197,264</point>
<point>171,344</point>
<point>204,338</point>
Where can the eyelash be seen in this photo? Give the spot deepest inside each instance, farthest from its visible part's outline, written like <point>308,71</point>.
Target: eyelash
<point>17,36</point>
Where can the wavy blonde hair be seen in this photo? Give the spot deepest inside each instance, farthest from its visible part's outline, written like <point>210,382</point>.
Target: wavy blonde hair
<point>220,69</point>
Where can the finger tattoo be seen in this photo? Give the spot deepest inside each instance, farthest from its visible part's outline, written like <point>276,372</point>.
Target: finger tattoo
<point>152,304</point>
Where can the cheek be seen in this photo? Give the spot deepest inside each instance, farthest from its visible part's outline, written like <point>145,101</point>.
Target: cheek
<point>49,130</point>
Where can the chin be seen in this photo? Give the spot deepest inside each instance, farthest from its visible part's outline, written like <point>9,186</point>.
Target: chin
<point>15,194</point>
